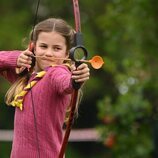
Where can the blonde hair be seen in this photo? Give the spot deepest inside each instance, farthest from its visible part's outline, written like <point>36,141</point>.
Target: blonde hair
<point>52,24</point>
<point>79,98</point>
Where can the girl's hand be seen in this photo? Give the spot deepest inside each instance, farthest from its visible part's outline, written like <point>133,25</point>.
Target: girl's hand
<point>81,74</point>
<point>24,60</point>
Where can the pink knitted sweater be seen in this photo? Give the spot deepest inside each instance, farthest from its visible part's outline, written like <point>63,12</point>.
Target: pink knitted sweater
<point>8,63</point>
<point>51,96</point>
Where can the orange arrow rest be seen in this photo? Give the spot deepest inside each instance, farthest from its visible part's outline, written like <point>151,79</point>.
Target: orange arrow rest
<point>96,62</point>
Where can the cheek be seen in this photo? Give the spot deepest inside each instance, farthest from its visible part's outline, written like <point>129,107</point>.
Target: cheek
<point>38,60</point>
<point>38,51</point>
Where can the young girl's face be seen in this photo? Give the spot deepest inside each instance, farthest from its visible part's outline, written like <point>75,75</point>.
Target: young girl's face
<point>52,46</point>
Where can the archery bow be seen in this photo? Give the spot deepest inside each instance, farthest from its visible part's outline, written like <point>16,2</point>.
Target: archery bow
<point>77,45</point>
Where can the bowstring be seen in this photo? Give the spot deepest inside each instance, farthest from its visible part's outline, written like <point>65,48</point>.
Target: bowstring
<point>32,100</point>
<point>35,16</point>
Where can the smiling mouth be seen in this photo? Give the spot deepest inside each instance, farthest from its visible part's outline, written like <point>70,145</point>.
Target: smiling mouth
<point>47,58</point>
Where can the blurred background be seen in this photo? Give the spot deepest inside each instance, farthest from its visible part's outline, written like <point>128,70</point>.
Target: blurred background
<point>120,102</point>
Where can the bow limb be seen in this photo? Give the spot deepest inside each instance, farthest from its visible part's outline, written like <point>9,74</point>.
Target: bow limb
<point>74,98</point>
<point>77,16</point>
<point>73,104</point>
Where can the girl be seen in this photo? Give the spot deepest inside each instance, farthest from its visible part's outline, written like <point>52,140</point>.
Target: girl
<point>41,96</point>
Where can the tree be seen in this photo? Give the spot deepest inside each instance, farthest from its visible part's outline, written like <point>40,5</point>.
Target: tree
<point>129,114</point>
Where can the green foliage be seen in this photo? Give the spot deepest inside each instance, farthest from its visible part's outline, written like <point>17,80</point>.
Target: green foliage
<point>6,148</point>
<point>79,150</point>
<point>15,23</point>
<point>131,37</point>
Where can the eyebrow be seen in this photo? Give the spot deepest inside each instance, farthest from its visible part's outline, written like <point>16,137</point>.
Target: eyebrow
<point>42,43</point>
<point>55,45</point>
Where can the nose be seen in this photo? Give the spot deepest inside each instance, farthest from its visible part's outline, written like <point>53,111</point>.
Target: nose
<point>49,53</point>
